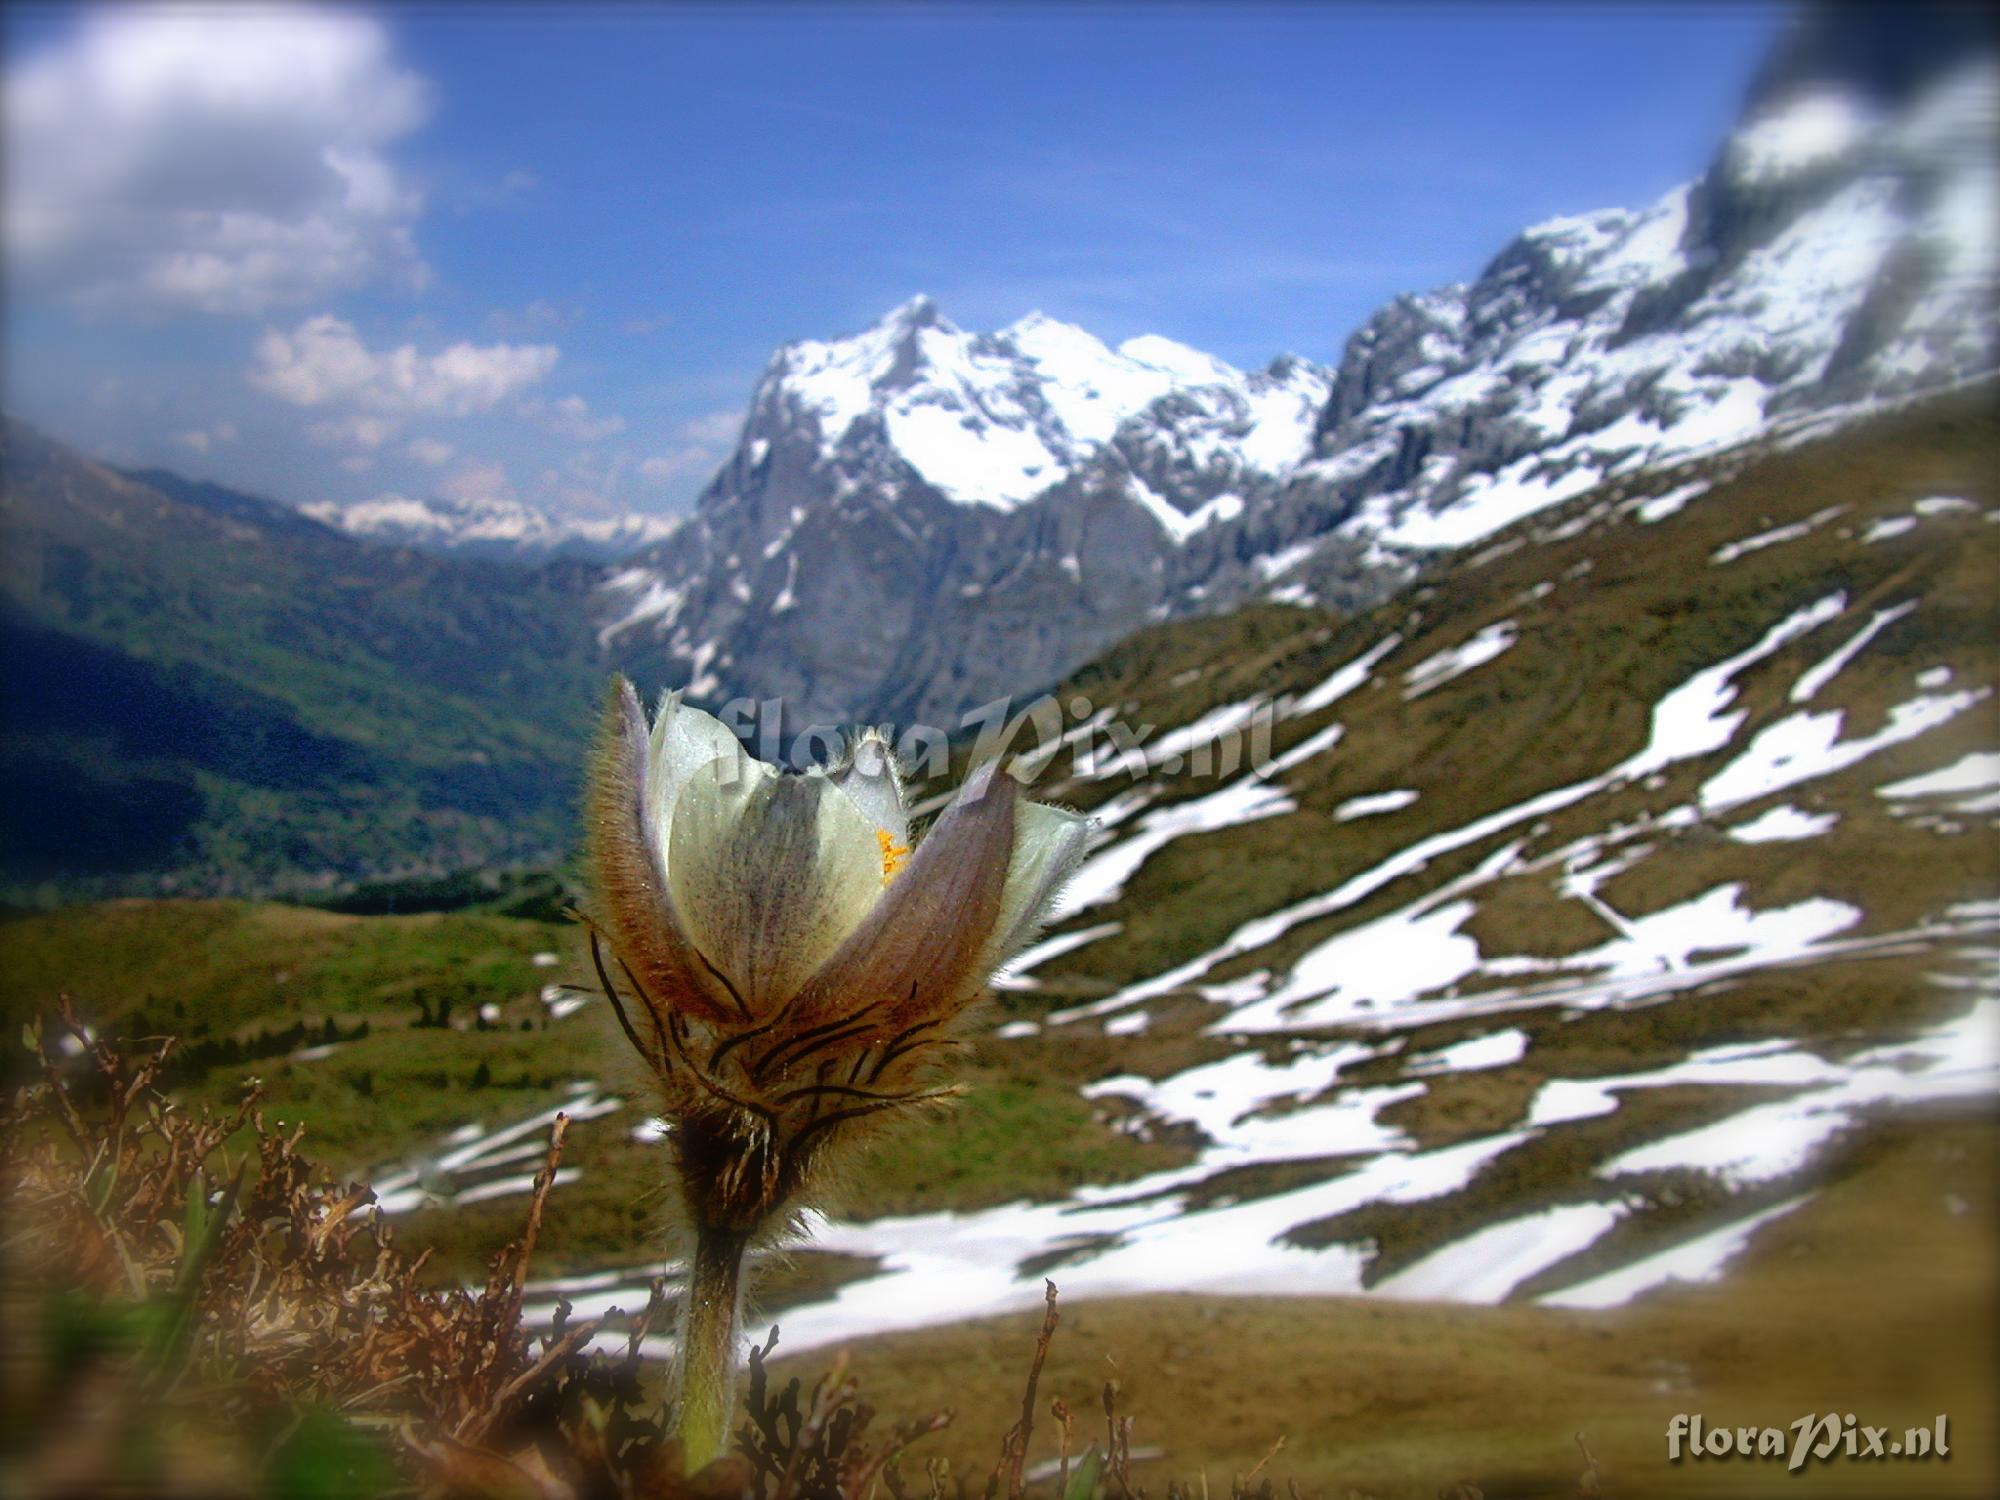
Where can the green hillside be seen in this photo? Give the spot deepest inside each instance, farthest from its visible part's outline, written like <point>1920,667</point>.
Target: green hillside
<point>381,1035</point>
<point>208,693</point>
<point>1612,613</point>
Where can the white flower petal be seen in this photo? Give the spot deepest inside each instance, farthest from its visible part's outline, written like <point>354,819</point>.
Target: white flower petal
<point>684,739</point>
<point>770,872</point>
<point>871,777</point>
<point>917,957</point>
<point>1048,846</point>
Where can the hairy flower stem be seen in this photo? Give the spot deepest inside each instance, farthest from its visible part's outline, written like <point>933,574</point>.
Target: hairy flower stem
<point>706,1378</point>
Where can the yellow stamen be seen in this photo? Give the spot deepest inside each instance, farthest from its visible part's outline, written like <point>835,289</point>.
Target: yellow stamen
<point>894,854</point>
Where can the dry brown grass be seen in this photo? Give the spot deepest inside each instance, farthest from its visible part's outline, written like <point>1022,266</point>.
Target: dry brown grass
<point>188,1318</point>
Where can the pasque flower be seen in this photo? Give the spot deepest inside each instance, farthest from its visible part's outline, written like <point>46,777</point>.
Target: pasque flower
<point>794,958</point>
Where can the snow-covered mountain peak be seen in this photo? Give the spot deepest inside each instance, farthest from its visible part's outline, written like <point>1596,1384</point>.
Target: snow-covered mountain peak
<point>492,525</point>
<point>1840,249</point>
<point>1958,115</point>
<point>1189,366</point>
<point>989,419</point>
<point>1611,249</point>
<point>917,312</point>
<point>1808,132</point>
<point>1022,497</point>
<point>834,381</point>
<point>1039,331</point>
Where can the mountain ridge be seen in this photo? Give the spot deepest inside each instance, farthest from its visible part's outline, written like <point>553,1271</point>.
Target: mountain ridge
<point>1834,254</point>
<point>492,527</point>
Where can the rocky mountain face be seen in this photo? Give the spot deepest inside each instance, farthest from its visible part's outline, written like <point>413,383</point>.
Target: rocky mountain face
<point>1840,251</point>
<point>920,519</point>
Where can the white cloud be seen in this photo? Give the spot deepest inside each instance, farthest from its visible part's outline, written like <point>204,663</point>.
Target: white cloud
<point>570,417</point>
<point>507,193</point>
<point>223,160</point>
<point>705,441</point>
<point>358,431</point>
<point>201,439</point>
<point>663,468</point>
<point>323,362</point>
<point>475,482</point>
<point>431,453</point>
<point>588,482</point>
<point>538,316</point>
<point>717,427</point>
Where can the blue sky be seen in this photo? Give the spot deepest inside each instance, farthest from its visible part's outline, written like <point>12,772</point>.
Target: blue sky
<point>338,253</point>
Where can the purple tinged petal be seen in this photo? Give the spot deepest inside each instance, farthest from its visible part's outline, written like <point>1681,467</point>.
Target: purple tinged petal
<point>684,739</point>
<point>634,905</point>
<point>919,954</point>
<point>1048,846</point>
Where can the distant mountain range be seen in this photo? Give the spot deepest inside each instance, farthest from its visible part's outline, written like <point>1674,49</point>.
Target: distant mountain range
<point>975,514</point>
<point>492,527</point>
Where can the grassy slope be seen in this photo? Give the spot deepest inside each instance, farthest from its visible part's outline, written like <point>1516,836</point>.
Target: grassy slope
<point>1574,696</point>
<point>1611,614</point>
<point>1876,1298</point>
<point>207,969</point>
<point>1864,1298</point>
